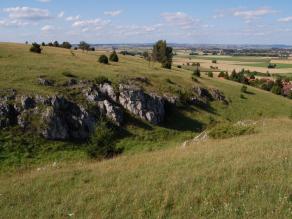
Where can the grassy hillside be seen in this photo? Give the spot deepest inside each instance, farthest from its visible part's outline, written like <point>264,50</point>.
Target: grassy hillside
<point>20,69</point>
<point>243,177</point>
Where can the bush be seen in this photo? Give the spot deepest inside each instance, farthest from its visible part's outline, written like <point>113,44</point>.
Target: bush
<point>276,89</point>
<point>103,59</point>
<point>228,130</point>
<point>179,66</point>
<point>114,57</point>
<point>214,61</point>
<point>210,74</point>
<point>197,72</point>
<point>243,89</point>
<point>101,144</point>
<point>272,65</point>
<point>102,80</point>
<point>36,48</point>
<point>221,74</point>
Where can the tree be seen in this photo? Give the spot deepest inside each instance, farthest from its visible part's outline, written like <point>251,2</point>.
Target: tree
<point>50,44</point>
<point>163,54</point>
<point>114,57</point>
<point>145,55</point>
<point>56,44</point>
<point>84,46</point>
<point>103,59</point>
<point>36,48</point>
<point>66,45</point>
<point>43,44</point>
<point>243,89</point>
<point>197,72</point>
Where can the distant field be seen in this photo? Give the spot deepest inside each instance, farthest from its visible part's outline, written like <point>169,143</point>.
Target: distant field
<point>265,65</point>
<point>232,58</point>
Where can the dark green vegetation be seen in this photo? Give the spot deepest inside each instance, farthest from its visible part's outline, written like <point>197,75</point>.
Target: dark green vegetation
<point>162,54</point>
<point>103,59</point>
<point>36,48</point>
<point>114,57</point>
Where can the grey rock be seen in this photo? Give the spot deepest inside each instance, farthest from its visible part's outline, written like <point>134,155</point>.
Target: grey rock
<point>66,120</point>
<point>210,94</point>
<point>28,102</point>
<point>46,82</point>
<point>8,115</point>
<point>111,111</point>
<point>171,99</point>
<point>92,94</point>
<point>71,82</point>
<point>43,100</point>
<point>147,106</point>
<point>108,91</point>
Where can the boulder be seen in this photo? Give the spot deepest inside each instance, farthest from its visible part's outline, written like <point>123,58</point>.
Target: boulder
<point>71,82</point>
<point>218,95</point>
<point>66,120</point>
<point>27,102</point>
<point>8,115</point>
<point>46,82</point>
<point>92,94</point>
<point>210,94</point>
<point>111,111</point>
<point>108,91</point>
<point>147,106</point>
<point>43,100</point>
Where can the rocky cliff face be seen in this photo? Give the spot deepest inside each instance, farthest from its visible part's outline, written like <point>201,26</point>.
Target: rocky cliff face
<point>66,120</point>
<point>61,119</point>
<point>147,106</point>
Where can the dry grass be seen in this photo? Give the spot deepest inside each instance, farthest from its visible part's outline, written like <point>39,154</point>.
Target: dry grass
<point>244,177</point>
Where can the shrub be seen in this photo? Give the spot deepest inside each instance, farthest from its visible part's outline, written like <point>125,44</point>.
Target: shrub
<point>36,48</point>
<point>103,59</point>
<point>56,44</point>
<point>227,130</point>
<point>214,61</point>
<point>243,89</point>
<point>101,144</point>
<point>210,74</point>
<point>276,89</point>
<point>272,65</point>
<point>221,74</point>
<point>179,66</point>
<point>102,80</point>
<point>114,57</point>
<point>197,72</point>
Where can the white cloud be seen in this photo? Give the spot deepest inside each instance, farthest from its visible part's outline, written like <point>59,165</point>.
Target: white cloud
<point>26,13</point>
<point>95,23</point>
<point>61,14</point>
<point>71,18</point>
<point>12,23</point>
<point>113,13</point>
<point>249,15</point>
<point>285,19</point>
<point>180,19</point>
<point>47,28</point>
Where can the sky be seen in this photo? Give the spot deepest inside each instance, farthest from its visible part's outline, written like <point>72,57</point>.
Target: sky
<point>133,21</point>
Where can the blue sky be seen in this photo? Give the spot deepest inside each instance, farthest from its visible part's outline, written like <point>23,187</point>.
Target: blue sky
<point>129,21</point>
